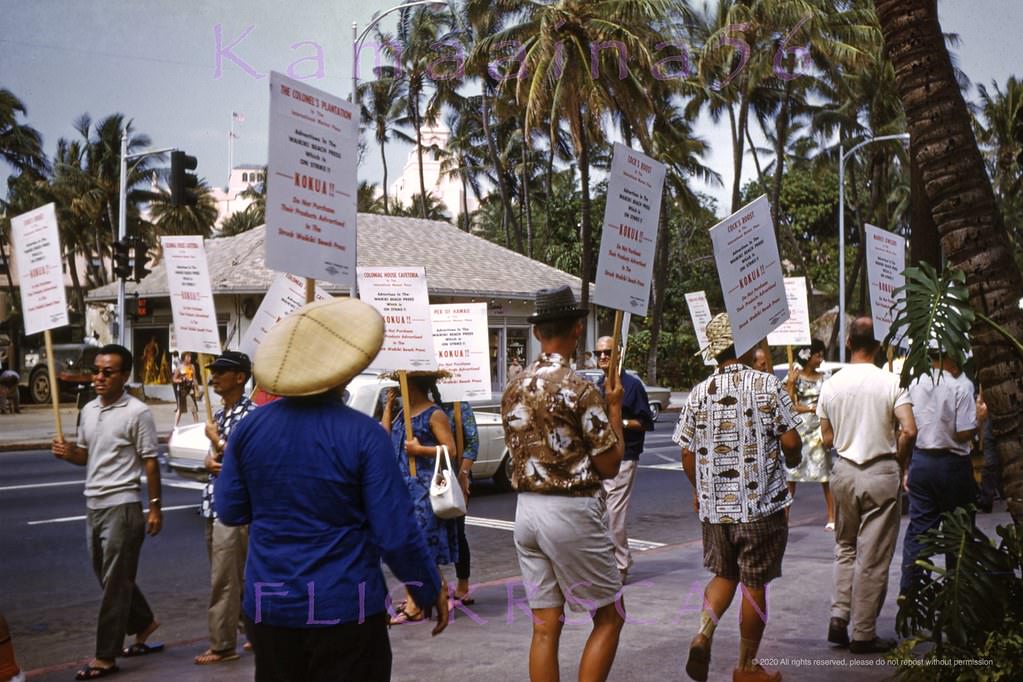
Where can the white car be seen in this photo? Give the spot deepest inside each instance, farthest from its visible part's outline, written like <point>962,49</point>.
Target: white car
<point>188,445</point>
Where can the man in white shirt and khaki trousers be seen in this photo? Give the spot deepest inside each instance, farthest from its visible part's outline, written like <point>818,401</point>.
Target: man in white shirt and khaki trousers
<point>859,409</point>
<point>940,475</point>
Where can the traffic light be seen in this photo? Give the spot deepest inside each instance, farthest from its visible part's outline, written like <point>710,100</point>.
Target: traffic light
<point>139,269</point>
<point>122,266</point>
<point>183,184</point>
<point>142,307</point>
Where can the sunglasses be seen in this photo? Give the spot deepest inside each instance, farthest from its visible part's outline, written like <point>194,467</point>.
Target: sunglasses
<point>601,353</point>
<point>106,371</point>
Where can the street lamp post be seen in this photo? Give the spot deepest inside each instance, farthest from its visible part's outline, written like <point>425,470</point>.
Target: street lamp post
<point>357,37</point>
<point>841,234</point>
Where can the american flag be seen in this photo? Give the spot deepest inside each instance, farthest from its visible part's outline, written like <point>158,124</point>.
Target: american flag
<point>238,117</point>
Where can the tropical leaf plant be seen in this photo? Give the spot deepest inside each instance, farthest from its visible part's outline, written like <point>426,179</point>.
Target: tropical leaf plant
<point>973,603</point>
<point>936,313</point>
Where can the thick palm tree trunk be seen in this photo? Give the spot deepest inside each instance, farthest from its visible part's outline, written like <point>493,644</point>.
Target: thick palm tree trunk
<point>76,284</point>
<point>661,257</point>
<point>419,156</point>
<point>737,152</point>
<point>383,158</point>
<point>963,205</point>
<point>586,227</point>
<point>495,160</point>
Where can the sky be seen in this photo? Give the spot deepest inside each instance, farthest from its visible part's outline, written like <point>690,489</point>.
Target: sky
<point>180,73</point>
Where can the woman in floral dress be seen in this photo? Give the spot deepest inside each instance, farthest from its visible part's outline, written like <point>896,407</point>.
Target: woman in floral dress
<point>804,386</point>
<point>430,428</point>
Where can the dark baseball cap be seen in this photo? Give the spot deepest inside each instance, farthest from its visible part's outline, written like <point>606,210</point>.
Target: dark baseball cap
<point>232,361</point>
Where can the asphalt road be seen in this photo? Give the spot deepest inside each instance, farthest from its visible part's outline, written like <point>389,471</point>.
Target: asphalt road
<point>50,596</point>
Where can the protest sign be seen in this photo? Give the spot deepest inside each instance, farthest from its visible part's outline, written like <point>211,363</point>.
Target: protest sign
<point>400,295</point>
<point>750,273</point>
<point>626,262</point>
<point>311,182</point>
<point>462,342</point>
<point>795,331</point>
<point>886,261</point>
<point>286,293</point>
<point>35,245</point>
<point>188,281</point>
<point>699,312</point>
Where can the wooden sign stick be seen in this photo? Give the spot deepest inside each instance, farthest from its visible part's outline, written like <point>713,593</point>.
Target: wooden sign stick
<point>616,336</point>
<point>51,366</point>
<point>310,290</point>
<point>204,378</point>
<point>792,359</point>
<point>406,412</point>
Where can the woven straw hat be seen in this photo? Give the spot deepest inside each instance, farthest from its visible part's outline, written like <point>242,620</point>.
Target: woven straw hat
<point>719,336</point>
<point>556,304</point>
<point>318,347</point>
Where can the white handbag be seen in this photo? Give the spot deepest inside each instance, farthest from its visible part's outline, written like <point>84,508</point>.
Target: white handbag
<point>446,496</point>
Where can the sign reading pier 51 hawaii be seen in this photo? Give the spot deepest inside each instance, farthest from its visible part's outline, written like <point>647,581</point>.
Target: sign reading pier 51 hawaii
<point>311,182</point>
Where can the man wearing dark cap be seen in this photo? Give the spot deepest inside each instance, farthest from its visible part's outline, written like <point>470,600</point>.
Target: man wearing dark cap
<point>225,545</point>
<point>564,441</point>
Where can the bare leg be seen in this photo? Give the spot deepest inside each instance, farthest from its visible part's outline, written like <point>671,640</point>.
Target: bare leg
<point>602,645</point>
<point>717,597</point>
<point>829,500</point>
<point>543,649</point>
<point>792,494</point>
<point>752,621</point>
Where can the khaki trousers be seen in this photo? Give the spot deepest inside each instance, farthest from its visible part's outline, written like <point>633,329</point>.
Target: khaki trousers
<point>866,529</point>
<point>617,491</point>
<point>226,546</point>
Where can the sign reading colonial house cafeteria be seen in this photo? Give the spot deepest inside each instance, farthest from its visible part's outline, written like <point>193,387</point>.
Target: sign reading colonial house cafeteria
<point>286,293</point>
<point>311,183</point>
<point>699,311</point>
<point>796,330</point>
<point>462,342</point>
<point>886,261</point>
<point>188,280</point>
<point>626,263</point>
<point>35,243</point>
<point>400,295</point>
<point>749,270</point>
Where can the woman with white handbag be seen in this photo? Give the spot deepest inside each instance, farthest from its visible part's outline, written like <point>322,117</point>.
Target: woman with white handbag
<point>431,434</point>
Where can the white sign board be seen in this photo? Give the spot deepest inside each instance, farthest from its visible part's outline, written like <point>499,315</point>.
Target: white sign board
<point>886,260</point>
<point>625,266</point>
<point>400,295</point>
<point>35,244</point>
<point>311,182</point>
<point>286,294</point>
<point>749,269</point>
<point>699,312</point>
<point>462,342</point>
<point>796,330</point>
<point>188,280</point>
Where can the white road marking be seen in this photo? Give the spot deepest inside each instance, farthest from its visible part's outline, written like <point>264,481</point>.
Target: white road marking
<point>667,466</point>
<point>638,545</point>
<point>29,486</point>
<point>65,519</point>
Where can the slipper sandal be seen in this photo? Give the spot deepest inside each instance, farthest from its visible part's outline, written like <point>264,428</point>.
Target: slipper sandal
<point>210,657</point>
<point>465,600</point>
<point>403,616</point>
<point>91,672</point>
<point>141,649</point>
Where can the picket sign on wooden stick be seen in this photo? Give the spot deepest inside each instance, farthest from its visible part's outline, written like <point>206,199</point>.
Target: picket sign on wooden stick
<point>204,377</point>
<point>792,359</point>
<point>310,289</point>
<point>406,412</point>
<point>51,367</point>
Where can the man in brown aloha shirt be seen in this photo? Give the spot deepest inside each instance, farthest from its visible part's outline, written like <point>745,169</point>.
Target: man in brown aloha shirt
<point>733,430</point>
<point>563,441</point>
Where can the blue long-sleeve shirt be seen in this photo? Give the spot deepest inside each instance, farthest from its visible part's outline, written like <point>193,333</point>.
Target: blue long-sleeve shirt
<point>318,484</point>
<point>635,405</point>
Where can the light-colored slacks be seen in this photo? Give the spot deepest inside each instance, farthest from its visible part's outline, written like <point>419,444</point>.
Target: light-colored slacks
<point>617,491</point>
<point>226,546</point>
<point>866,530</point>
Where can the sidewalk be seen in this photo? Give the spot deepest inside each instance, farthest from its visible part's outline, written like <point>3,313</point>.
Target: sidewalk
<point>35,426</point>
<point>490,640</point>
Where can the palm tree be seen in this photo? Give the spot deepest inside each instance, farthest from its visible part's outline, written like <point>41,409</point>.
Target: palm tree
<point>1001,133</point>
<point>238,222</point>
<point>169,219</point>
<point>381,104</point>
<point>433,207</point>
<point>966,214</point>
<point>367,199</point>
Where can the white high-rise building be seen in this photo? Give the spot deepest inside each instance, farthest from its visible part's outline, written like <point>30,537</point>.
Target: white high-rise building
<point>444,188</point>
<point>231,201</point>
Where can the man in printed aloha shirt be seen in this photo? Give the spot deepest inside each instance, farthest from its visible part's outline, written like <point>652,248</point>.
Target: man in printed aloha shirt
<point>225,545</point>
<point>564,441</point>
<point>733,431</point>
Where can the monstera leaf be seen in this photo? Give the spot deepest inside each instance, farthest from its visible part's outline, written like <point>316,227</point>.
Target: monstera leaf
<point>936,315</point>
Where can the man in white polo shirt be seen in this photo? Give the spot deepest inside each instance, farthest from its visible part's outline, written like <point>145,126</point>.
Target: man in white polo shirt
<point>116,442</point>
<point>860,408</point>
<point>940,476</point>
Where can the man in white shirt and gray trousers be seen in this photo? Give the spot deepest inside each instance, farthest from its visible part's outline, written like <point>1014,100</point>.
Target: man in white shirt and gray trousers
<point>940,476</point>
<point>859,408</point>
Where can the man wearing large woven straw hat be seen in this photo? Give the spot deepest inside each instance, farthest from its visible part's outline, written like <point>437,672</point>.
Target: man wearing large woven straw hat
<point>563,441</point>
<point>733,431</point>
<point>316,482</point>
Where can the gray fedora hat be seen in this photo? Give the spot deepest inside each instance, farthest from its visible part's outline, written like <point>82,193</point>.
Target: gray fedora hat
<point>557,303</point>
